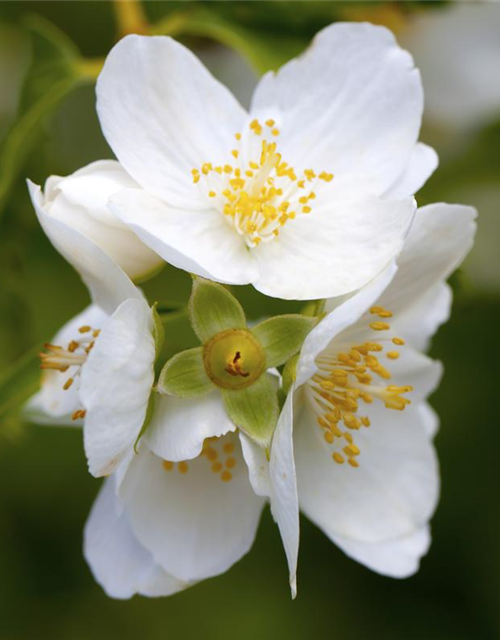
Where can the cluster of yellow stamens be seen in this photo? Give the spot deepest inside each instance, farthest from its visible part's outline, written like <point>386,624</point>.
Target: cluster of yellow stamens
<point>259,192</point>
<point>75,354</point>
<point>221,461</point>
<point>344,380</point>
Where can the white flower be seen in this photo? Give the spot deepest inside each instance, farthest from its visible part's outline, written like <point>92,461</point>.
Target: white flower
<point>458,50</point>
<point>183,509</point>
<point>81,201</point>
<point>304,197</point>
<point>372,490</point>
<point>100,365</point>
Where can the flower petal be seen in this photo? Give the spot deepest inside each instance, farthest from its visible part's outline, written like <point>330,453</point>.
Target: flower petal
<point>180,425</point>
<point>392,493</point>
<point>421,165</point>
<point>81,201</point>
<point>343,316</point>
<point>194,524</point>
<point>53,404</point>
<point>284,497</point>
<point>398,557</point>
<point>116,384</point>
<point>352,103</point>
<point>116,558</point>
<point>108,284</point>
<point>334,250</point>
<point>439,239</point>
<point>258,465</point>
<point>163,114</point>
<point>201,242</point>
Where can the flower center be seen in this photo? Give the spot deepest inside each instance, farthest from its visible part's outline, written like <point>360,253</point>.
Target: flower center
<point>218,454</point>
<point>259,192</point>
<point>234,359</point>
<point>345,380</point>
<point>75,355</point>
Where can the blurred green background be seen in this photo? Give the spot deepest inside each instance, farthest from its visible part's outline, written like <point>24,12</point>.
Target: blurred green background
<point>50,53</point>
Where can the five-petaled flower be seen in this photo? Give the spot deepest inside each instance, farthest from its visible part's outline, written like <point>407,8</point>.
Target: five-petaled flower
<point>306,196</point>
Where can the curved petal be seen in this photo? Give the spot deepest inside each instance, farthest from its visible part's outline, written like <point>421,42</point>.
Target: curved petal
<point>53,404</point>
<point>180,426</point>
<point>201,242</point>
<point>283,480</point>
<point>421,165</point>
<point>163,114</point>
<point>341,317</point>
<point>81,201</point>
<point>397,558</point>
<point>334,250</point>
<point>116,384</point>
<point>116,558</point>
<point>392,493</point>
<point>258,465</point>
<point>352,103</point>
<point>440,237</point>
<point>108,284</point>
<point>195,524</point>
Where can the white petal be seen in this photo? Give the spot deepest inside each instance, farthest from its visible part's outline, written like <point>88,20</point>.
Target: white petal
<point>398,557</point>
<point>258,465</point>
<point>116,384</point>
<point>108,284</point>
<point>163,114</point>
<point>439,239</point>
<point>342,317</point>
<point>116,558</point>
<point>201,242</point>
<point>335,250</point>
<point>52,404</point>
<point>180,425</point>
<point>81,201</point>
<point>194,524</point>
<point>352,103</point>
<point>284,497</point>
<point>421,165</point>
<point>393,492</point>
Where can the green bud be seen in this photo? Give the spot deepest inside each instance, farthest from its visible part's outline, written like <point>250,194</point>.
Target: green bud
<point>158,331</point>
<point>254,409</point>
<point>212,309</point>
<point>184,375</point>
<point>281,337</point>
<point>234,359</point>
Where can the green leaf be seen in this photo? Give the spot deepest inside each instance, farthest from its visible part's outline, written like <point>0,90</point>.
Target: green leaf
<point>52,75</point>
<point>212,309</point>
<point>184,375</point>
<point>282,336</point>
<point>254,409</point>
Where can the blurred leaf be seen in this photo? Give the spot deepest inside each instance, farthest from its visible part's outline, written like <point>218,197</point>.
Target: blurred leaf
<point>52,75</point>
<point>17,384</point>
<point>260,47</point>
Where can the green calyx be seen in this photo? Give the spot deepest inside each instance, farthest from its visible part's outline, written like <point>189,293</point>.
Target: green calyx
<point>235,359</point>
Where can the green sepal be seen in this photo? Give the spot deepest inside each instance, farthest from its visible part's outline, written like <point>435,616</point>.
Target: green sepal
<point>212,309</point>
<point>254,409</point>
<point>289,374</point>
<point>184,375</point>
<point>158,330</point>
<point>149,414</point>
<point>314,307</point>
<point>281,337</point>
